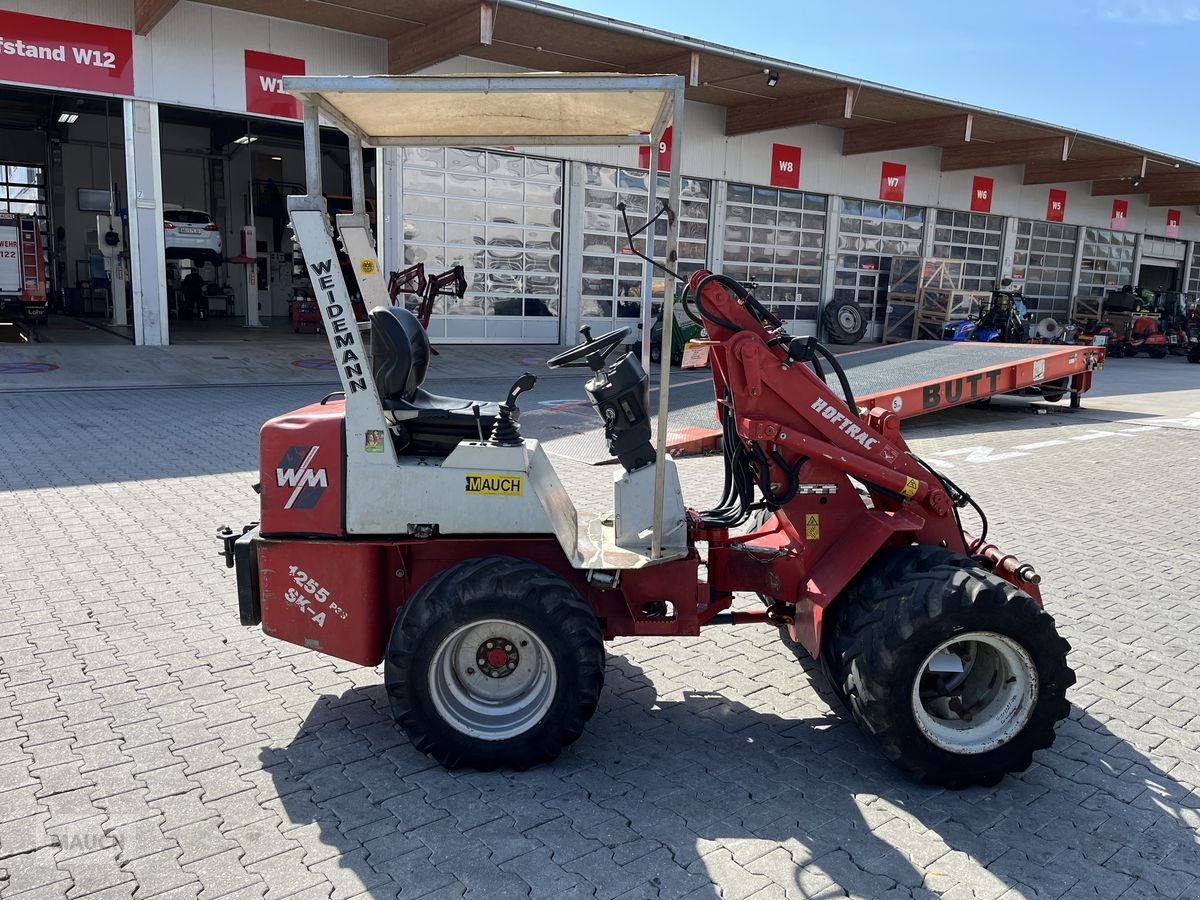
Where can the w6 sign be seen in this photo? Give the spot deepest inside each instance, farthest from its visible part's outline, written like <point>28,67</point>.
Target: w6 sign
<point>264,84</point>
<point>785,166</point>
<point>981,194</point>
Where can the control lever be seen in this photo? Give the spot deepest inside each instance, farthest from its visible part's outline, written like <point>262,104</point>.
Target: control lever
<point>506,432</point>
<point>478,420</point>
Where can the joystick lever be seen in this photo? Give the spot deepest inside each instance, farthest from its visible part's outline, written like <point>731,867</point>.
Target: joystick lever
<point>506,432</point>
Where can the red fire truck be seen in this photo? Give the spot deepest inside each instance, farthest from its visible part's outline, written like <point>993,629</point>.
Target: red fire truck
<point>22,268</point>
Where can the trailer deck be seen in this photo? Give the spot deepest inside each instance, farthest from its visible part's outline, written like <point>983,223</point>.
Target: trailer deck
<point>911,379</point>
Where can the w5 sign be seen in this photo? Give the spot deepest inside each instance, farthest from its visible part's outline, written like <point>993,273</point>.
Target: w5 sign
<point>264,84</point>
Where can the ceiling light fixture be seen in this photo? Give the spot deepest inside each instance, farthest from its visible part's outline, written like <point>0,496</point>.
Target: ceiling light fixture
<point>1137,182</point>
<point>67,118</point>
<point>772,77</point>
<point>277,158</point>
<point>245,139</point>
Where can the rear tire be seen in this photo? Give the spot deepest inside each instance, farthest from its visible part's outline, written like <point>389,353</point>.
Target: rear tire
<point>845,322</point>
<point>1130,352</point>
<point>656,352</point>
<point>463,704</point>
<point>920,606</point>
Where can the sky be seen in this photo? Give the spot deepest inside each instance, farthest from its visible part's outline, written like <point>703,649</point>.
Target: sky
<point>1123,69</point>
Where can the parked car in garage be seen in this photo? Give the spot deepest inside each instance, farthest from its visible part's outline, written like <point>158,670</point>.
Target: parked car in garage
<point>190,234</point>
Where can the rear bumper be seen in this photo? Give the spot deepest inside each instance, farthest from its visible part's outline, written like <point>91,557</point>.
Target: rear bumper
<point>241,554</point>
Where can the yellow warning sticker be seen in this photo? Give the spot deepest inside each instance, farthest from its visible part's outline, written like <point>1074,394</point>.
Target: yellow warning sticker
<point>812,527</point>
<point>910,487</point>
<point>366,266</point>
<point>495,485</point>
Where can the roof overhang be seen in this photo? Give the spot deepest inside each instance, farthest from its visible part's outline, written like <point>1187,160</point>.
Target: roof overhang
<point>529,109</point>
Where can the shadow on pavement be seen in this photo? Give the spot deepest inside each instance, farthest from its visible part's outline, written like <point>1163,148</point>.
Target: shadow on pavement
<point>708,797</point>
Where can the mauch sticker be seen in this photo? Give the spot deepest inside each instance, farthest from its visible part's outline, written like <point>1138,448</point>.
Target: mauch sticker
<point>366,266</point>
<point>374,441</point>
<point>495,485</point>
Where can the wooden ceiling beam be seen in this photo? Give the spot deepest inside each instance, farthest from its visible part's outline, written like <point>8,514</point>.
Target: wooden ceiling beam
<point>1166,181</point>
<point>940,132</point>
<point>1084,170</point>
<point>686,63</point>
<point>1175,198</point>
<point>832,106</point>
<point>453,36</point>
<point>1005,153</point>
<point>148,13</point>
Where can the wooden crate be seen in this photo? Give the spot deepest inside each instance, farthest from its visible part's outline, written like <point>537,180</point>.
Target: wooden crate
<point>1087,310</point>
<point>930,328</point>
<point>900,322</point>
<point>913,274</point>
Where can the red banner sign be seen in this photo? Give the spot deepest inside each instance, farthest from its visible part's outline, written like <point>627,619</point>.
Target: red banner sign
<point>891,181</point>
<point>981,194</point>
<point>664,153</point>
<point>785,166</point>
<point>1120,213</point>
<point>1056,205</point>
<point>57,53</point>
<point>264,84</point>
<point>1173,219</point>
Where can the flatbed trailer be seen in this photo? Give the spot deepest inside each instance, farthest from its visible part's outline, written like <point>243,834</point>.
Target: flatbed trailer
<point>919,377</point>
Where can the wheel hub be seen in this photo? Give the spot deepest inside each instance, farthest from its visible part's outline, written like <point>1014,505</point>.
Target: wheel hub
<point>975,692</point>
<point>497,658</point>
<point>492,679</point>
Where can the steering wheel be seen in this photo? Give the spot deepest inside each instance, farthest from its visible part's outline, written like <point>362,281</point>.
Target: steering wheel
<point>591,353</point>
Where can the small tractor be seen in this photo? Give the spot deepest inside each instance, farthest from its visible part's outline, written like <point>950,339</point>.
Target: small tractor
<point>428,534</point>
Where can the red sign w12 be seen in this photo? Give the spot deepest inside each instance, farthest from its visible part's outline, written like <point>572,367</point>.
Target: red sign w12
<point>891,181</point>
<point>785,166</point>
<point>264,84</point>
<point>57,53</point>
<point>981,194</point>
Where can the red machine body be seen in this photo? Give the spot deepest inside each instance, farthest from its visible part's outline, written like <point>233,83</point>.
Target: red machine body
<point>338,593</point>
<point>22,268</point>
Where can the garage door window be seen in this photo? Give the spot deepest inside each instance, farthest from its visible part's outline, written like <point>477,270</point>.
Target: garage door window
<point>870,233</point>
<point>1044,259</point>
<point>613,278</point>
<point>1194,278</point>
<point>974,238</point>
<point>776,238</point>
<point>1107,263</point>
<point>500,217</point>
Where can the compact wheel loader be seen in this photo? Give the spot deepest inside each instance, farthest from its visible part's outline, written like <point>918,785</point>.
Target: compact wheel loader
<point>428,534</point>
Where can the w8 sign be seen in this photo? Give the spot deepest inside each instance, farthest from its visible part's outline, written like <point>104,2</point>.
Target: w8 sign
<point>785,166</point>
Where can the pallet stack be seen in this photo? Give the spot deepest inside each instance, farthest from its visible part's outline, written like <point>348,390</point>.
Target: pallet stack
<point>924,293</point>
<point>1087,310</point>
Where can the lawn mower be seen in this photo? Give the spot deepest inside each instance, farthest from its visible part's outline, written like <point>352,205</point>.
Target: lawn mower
<point>429,534</point>
<point>1000,319</point>
<point>684,331</point>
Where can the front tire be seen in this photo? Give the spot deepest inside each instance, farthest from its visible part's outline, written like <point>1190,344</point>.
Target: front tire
<point>956,674</point>
<point>495,662</point>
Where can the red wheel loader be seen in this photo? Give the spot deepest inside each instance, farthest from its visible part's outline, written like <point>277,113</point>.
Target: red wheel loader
<point>426,533</point>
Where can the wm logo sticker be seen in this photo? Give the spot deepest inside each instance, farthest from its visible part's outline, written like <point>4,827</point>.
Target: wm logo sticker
<point>295,471</point>
<point>495,485</point>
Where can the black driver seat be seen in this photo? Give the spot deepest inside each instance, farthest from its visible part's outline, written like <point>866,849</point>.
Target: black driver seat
<point>423,422</point>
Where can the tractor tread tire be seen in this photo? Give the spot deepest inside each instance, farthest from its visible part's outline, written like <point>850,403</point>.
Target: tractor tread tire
<point>496,587</point>
<point>837,333</point>
<point>903,605</point>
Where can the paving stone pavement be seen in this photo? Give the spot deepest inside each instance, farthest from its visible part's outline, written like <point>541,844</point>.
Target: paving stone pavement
<point>152,747</point>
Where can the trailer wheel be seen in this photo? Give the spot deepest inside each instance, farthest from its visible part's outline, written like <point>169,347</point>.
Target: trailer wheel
<point>495,662</point>
<point>957,675</point>
<point>844,320</point>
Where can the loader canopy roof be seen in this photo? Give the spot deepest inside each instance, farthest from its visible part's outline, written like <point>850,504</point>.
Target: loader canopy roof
<point>531,109</point>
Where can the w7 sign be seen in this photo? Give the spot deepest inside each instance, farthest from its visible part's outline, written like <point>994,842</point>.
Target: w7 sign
<point>264,84</point>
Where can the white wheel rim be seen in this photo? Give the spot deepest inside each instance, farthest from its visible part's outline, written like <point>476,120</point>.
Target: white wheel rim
<point>848,318</point>
<point>481,696</point>
<point>981,707</point>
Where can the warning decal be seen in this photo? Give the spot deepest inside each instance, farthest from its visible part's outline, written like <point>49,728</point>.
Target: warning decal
<point>366,266</point>
<point>812,527</point>
<point>910,487</point>
<point>495,485</point>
